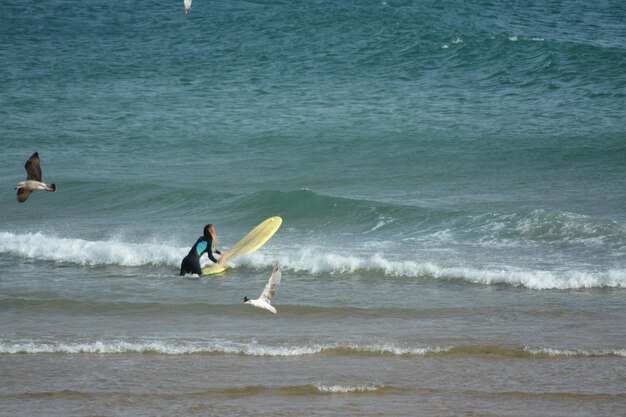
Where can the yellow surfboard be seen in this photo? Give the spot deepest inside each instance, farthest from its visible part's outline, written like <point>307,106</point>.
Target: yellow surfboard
<point>250,243</point>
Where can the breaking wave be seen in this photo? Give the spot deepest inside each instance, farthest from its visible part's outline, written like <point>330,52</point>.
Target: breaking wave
<point>303,260</point>
<point>254,349</point>
<point>85,252</point>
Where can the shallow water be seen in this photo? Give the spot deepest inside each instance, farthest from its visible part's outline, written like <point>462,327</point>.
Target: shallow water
<point>451,183</point>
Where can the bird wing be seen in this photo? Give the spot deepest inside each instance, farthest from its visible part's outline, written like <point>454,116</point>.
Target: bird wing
<point>22,194</point>
<point>272,283</point>
<point>33,169</point>
<point>187,6</point>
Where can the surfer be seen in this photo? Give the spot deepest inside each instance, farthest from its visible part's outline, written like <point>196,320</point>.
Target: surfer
<point>191,262</point>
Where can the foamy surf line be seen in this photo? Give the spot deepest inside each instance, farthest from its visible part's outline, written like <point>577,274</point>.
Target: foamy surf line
<point>345,389</point>
<point>195,348</point>
<point>254,349</point>
<point>308,260</point>
<point>85,252</point>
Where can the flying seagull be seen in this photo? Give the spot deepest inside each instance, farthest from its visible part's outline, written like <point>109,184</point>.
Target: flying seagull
<point>264,301</point>
<point>187,6</point>
<point>33,180</point>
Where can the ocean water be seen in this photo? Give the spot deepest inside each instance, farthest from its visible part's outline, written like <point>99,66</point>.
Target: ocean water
<point>451,178</point>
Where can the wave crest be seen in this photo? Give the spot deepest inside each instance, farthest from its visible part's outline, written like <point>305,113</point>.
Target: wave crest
<point>252,348</point>
<point>216,347</point>
<point>304,260</point>
<point>85,252</point>
<point>529,278</point>
<point>541,226</point>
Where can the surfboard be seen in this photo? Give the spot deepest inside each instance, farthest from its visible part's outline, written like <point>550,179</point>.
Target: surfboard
<point>249,244</point>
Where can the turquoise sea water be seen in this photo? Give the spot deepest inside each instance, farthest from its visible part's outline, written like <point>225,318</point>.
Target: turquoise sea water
<point>452,182</point>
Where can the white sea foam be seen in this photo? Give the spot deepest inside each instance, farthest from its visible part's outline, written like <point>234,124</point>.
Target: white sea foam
<point>546,228</point>
<point>382,221</point>
<point>343,389</point>
<point>252,348</point>
<point>310,260</point>
<point>85,252</point>
<point>207,347</point>
<point>575,352</point>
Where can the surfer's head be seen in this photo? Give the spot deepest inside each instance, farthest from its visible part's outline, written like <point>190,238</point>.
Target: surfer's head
<point>209,231</point>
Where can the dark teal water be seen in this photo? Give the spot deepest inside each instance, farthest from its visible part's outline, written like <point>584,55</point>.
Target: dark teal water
<point>451,177</point>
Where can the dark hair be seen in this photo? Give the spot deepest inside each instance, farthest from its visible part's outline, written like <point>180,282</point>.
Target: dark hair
<point>207,232</point>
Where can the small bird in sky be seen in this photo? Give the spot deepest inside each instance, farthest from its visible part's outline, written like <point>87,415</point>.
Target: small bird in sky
<point>265,300</point>
<point>33,180</point>
<point>187,6</point>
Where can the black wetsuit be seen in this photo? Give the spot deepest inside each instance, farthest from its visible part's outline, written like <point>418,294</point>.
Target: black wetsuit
<point>191,262</point>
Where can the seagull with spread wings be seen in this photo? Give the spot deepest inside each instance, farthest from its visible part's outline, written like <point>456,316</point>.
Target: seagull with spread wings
<point>264,301</point>
<point>33,180</point>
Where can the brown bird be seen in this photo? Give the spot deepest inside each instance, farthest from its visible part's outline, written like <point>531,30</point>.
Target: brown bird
<point>33,180</point>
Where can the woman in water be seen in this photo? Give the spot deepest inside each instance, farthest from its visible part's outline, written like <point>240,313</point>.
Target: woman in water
<point>191,262</point>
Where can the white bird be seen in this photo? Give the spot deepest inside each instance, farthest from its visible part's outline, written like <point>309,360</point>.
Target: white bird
<point>33,180</point>
<point>264,301</point>
<point>187,6</point>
